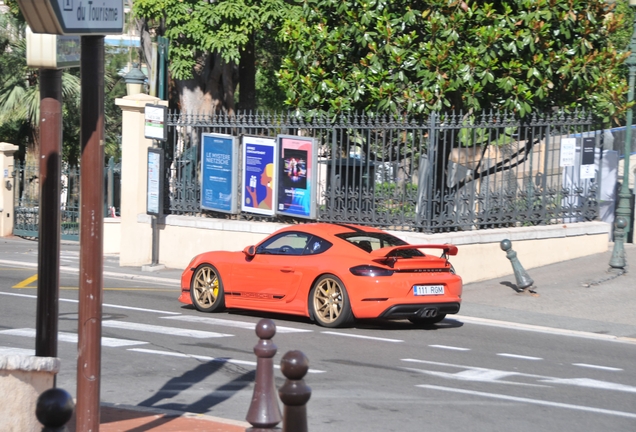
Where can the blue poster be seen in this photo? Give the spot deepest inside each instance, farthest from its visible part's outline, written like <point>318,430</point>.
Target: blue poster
<point>219,172</point>
<point>259,175</point>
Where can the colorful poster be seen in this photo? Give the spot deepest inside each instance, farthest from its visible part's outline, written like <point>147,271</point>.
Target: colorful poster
<point>219,166</point>
<point>296,176</point>
<point>259,175</point>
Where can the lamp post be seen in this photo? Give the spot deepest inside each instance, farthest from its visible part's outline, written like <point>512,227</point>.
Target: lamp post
<point>135,80</point>
<point>623,212</point>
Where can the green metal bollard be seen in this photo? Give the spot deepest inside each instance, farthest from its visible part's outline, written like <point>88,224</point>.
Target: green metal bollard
<point>617,262</point>
<point>523,279</point>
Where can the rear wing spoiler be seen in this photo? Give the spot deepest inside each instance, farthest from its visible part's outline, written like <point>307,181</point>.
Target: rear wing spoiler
<point>448,249</point>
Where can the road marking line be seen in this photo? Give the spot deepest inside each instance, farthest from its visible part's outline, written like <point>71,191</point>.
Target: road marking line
<point>607,368</point>
<point>517,356</point>
<point>362,337</point>
<point>591,383</point>
<point>72,338</point>
<point>207,358</point>
<point>16,351</point>
<point>540,329</point>
<point>230,323</point>
<point>450,347</point>
<point>530,401</point>
<point>485,374</point>
<point>104,305</point>
<point>74,288</point>
<point>26,282</point>
<point>172,331</point>
<point>66,269</point>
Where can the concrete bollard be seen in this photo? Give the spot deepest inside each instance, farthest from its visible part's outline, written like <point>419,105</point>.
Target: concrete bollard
<point>294,393</point>
<point>264,412</point>
<point>54,409</point>
<point>523,279</point>
<point>22,379</point>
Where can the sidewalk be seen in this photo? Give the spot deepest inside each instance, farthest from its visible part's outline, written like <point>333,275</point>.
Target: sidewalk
<point>577,295</point>
<point>115,418</point>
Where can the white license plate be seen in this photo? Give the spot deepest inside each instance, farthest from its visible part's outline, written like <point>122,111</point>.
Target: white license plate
<point>422,290</point>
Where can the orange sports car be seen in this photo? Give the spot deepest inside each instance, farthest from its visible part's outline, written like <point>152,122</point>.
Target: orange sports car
<point>331,273</point>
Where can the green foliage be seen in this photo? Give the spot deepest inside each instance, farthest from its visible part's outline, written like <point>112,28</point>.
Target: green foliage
<point>197,27</point>
<point>20,98</point>
<point>392,198</point>
<point>404,56</point>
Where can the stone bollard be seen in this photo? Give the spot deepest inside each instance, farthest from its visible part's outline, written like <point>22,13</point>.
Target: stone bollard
<point>294,393</point>
<point>22,379</point>
<point>54,409</point>
<point>523,279</point>
<point>264,412</point>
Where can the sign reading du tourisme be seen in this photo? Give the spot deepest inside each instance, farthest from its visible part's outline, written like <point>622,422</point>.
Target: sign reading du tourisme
<point>74,17</point>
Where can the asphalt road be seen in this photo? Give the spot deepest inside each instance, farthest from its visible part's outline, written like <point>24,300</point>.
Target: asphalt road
<point>375,376</point>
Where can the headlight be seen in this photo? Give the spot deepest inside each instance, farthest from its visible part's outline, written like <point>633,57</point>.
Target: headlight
<point>368,270</point>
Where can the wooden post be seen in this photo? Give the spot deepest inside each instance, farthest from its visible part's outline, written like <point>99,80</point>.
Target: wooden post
<point>294,393</point>
<point>264,412</point>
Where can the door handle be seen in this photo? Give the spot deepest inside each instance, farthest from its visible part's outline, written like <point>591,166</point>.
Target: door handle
<point>287,269</point>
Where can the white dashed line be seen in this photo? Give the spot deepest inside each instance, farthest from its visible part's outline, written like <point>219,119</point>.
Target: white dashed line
<point>72,337</point>
<point>607,368</point>
<point>450,347</point>
<point>362,337</point>
<point>231,323</point>
<point>207,358</point>
<point>520,357</point>
<point>163,330</point>
<point>530,401</point>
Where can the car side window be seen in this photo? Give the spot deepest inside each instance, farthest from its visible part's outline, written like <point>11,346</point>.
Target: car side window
<point>287,243</point>
<point>366,243</point>
<point>316,245</point>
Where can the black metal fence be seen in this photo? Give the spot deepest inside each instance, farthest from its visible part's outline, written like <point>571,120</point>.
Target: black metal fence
<point>447,172</point>
<point>26,188</point>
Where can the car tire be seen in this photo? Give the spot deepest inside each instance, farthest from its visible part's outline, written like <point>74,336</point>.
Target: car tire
<point>428,321</point>
<point>206,289</point>
<point>329,302</point>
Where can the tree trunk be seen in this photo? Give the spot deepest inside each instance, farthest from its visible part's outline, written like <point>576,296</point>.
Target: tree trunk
<point>247,77</point>
<point>211,90</point>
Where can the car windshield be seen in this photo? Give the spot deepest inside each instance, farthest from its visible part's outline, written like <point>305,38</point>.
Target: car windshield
<point>370,241</point>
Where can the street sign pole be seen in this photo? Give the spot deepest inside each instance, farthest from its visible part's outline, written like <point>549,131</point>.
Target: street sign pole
<point>91,278</point>
<point>49,235</point>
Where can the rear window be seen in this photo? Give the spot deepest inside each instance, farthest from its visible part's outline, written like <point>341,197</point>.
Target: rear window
<point>368,241</point>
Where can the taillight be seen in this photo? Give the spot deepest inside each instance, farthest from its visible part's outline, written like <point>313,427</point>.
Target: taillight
<point>368,270</point>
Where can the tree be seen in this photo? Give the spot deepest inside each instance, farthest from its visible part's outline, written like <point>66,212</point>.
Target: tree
<point>415,57</point>
<point>20,97</point>
<point>213,47</point>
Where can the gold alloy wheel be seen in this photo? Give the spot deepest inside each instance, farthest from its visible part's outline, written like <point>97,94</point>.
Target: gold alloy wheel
<point>328,300</point>
<point>205,288</point>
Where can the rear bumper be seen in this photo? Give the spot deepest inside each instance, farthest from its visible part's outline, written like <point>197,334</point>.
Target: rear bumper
<point>416,310</point>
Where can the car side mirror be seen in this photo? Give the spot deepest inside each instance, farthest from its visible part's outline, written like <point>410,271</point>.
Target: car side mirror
<point>250,251</point>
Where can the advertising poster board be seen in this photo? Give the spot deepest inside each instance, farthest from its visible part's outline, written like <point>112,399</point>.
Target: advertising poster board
<point>259,175</point>
<point>296,176</point>
<point>219,166</point>
<point>588,167</point>
<point>154,193</point>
